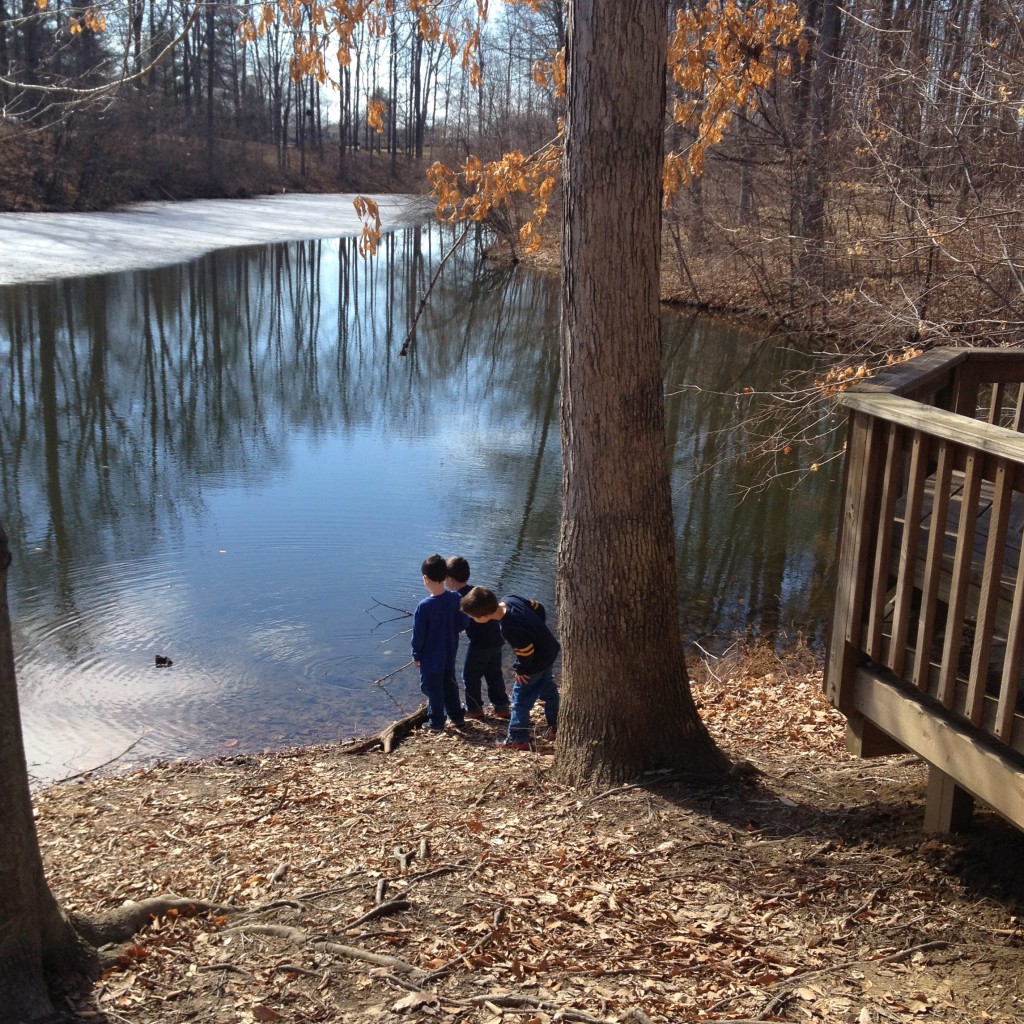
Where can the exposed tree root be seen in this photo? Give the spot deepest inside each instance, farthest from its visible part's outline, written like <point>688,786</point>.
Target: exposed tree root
<point>121,923</point>
<point>299,937</point>
<point>390,737</point>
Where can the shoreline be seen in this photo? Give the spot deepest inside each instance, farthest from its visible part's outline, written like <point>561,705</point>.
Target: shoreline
<point>48,246</point>
<point>745,660</point>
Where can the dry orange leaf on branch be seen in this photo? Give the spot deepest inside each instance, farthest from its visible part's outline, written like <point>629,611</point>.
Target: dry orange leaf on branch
<point>720,56</point>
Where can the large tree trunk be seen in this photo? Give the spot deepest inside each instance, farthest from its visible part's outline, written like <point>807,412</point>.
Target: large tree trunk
<point>39,947</point>
<point>627,707</point>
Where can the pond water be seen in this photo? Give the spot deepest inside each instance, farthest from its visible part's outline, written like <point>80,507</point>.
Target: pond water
<point>227,464</point>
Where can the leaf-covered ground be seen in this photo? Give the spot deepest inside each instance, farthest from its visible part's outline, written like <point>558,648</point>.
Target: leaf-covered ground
<point>454,882</point>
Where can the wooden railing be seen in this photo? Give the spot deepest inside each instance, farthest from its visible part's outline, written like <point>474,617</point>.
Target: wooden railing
<point>927,640</point>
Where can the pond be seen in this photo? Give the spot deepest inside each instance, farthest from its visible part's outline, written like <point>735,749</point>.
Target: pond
<point>226,463</point>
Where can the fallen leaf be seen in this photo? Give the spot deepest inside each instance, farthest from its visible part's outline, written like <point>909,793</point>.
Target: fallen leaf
<point>414,1001</point>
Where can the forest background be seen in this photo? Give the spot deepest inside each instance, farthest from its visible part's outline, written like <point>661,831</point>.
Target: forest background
<point>870,195</point>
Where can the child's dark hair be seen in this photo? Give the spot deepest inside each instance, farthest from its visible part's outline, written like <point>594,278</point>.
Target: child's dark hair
<point>479,602</point>
<point>458,569</point>
<point>435,568</point>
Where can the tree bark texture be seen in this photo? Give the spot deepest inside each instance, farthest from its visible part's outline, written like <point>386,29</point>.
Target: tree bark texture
<point>627,706</point>
<point>39,947</point>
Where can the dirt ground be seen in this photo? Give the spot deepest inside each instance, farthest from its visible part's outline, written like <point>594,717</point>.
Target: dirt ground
<point>452,881</point>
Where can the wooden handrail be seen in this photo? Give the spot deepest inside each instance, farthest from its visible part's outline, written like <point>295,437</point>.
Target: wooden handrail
<point>993,440</point>
<point>924,375</point>
<point>927,375</point>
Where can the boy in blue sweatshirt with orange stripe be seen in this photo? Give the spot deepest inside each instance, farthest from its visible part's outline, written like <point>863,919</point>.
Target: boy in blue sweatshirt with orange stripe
<point>436,624</point>
<point>535,648</point>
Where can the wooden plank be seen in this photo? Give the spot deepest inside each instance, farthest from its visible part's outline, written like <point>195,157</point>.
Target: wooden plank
<point>965,393</point>
<point>975,765</point>
<point>878,584</point>
<point>988,598</point>
<point>916,479</point>
<point>1003,577</point>
<point>1014,738</point>
<point>960,581</point>
<point>919,377</point>
<point>1012,664</point>
<point>995,403</point>
<point>942,369</point>
<point>992,366</point>
<point>932,570</point>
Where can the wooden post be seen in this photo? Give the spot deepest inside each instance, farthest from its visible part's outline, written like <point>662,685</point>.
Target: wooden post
<point>865,739</point>
<point>855,550</point>
<point>948,808</point>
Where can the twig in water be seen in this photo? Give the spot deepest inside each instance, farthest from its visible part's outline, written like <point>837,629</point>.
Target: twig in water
<point>402,613</point>
<point>394,636</point>
<point>387,692</point>
<point>382,679</point>
<point>89,771</point>
<point>390,607</point>
<point>430,287</point>
<point>391,697</point>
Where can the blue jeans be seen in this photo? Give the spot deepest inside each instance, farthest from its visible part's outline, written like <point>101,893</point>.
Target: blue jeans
<point>484,664</point>
<point>540,686</point>
<point>442,692</point>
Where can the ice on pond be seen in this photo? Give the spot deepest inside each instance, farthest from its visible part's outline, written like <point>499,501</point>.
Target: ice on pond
<point>45,246</point>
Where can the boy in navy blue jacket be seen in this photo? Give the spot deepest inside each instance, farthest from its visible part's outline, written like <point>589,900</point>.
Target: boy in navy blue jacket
<point>483,654</point>
<point>535,648</point>
<point>435,640</point>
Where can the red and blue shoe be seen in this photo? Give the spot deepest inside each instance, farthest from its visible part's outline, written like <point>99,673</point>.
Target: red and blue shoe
<point>510,744</point>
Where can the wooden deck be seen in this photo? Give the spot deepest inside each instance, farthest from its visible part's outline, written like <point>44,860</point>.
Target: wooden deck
<point>927,640</point>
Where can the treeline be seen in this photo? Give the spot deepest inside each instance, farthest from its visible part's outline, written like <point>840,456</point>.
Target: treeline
<point>871,192</point>
<point>874,196</point>
<point>175,99</point>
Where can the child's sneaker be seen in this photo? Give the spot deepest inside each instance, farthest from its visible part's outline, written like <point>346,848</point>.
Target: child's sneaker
<point>503,713</point>
<point>508,744</point>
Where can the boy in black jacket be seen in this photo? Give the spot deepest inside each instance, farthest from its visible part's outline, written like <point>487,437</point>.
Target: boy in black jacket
<point>535,649</point>
<point>483,655</point>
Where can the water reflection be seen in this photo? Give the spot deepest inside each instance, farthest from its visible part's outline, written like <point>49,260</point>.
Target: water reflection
<point>226,462</point>
<point>755,538</point>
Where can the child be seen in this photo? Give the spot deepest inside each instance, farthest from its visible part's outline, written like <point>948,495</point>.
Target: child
<point>535,649</point>
<point>483,655</point>
<point>435,640</point>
